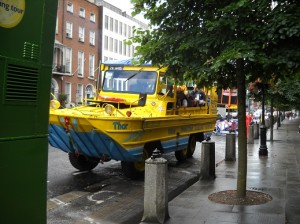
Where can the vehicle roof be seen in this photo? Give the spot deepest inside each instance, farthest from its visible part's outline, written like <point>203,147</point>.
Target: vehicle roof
<point>125,62</point>
<point>130,63</point>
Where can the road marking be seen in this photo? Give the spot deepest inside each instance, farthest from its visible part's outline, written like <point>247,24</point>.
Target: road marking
<point>65,199</point>
<point>101,196</point>
<point>79,172</point>
<point>91,221</point>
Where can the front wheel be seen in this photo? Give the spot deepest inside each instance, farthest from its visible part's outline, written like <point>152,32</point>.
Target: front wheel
<point>191,146</point>
<point>133,170</point>
<point>81,162</point>
<point>136,170</point>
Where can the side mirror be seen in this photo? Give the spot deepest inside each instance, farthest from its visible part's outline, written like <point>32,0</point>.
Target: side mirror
<point>142,99</point>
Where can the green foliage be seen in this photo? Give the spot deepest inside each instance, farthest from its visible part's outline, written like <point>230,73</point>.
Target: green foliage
<point>225,41</point>
<point>202,39</point>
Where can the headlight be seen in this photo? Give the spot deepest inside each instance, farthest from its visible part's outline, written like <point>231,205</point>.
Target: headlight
<point>54,104</point>
<point>109,109</point>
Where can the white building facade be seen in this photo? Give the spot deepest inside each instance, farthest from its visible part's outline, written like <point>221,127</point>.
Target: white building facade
<point>117,27</point>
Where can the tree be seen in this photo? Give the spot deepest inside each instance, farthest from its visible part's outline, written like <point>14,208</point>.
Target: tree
<point>227,41</point>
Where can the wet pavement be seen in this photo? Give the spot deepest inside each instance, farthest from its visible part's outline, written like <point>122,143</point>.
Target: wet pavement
<point>276,174</point>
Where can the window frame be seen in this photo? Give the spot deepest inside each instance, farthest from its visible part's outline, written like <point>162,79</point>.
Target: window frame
<point>80,70</point>
<point>70,7</point>
<point>93,17</point>
<point>82,12</point>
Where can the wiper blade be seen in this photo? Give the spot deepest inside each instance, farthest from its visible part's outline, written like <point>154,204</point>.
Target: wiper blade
<point>134,74</point>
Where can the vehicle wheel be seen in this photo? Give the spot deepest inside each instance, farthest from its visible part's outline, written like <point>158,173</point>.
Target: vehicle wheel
<point>181,155</point>
<point>135,170</point>
<point>81,162</point>
<point>191,146</point>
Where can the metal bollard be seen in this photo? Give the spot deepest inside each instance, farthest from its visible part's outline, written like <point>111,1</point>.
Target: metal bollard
<point>156,189</point>
<point>207,163</point>
<point>230,148</point>
<point>250,137</point>
<point>256,131</point>
<point>267,123</point>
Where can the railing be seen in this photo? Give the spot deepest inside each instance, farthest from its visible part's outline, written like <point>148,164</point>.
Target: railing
<point>59,68</point>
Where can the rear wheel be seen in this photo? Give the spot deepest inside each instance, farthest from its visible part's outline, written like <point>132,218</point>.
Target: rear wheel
<point>81,162</point>
<point>181,155</point>
<point>191,146</point>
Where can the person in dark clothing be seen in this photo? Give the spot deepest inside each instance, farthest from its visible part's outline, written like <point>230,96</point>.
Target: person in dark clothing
<point>199,96</point>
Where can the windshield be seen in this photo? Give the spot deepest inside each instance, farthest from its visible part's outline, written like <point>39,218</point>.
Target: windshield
<point>129,81</point>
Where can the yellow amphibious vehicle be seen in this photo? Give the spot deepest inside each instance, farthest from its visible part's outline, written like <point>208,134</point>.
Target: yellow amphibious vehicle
<point>133,114</point>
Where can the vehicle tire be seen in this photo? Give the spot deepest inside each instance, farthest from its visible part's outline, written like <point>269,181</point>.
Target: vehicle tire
<point>133,170</point>
<point>191,146</point>
<point>181,155</point>
<point>81,162</point>
<point>136,170</point>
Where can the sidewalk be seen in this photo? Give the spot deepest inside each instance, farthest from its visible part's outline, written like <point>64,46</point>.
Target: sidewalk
<point>277,175</point>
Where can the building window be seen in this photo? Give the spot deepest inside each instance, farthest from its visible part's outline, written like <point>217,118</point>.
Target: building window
<point>69,29</point>
<point>89,91</point>
<point>120,46</point>
<point>111,43</point>
<point>106,22</point>
<point>133,50</point>
<point>116,26</point>
<point>91,66</point>
<point>68,91</point>
<point>82,12</point>
<point>129,31</point>
<point>70,7</point>
<point>124,49</point>
<point>92,38</point>
<point>120,28</point>
<point>79,94</point>
<point>56,26</point>
<point>127,50</point>
<point>80,63</point>
<point>105,58</point>
<point>105,42</point>
<point>81,34</point>
<point>111,24</point>
<point>116,46</point>
<point>67,59</point>
<point>93,17</point>
<point>125,30</point>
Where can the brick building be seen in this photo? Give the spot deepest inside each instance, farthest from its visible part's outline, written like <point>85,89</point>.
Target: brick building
<point>87,32</point>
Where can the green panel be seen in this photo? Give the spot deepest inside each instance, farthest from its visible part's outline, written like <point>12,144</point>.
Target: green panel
<point>26,54</point>
<point>23,188</point>
<point>28,30</point>
<point>26,69</point>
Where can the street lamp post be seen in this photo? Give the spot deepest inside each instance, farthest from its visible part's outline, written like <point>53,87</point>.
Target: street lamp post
<point>263,150</point>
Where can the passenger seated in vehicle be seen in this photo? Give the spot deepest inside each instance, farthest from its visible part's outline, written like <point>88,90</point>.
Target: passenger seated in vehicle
<point>182,100</point>
<point>199,96</point>
<point>170,91</point>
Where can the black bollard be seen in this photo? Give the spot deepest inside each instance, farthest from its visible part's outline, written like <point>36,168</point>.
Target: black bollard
<point>263,150</point>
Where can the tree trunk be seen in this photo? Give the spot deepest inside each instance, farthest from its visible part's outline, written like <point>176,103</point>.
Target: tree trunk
<point>242,138</point>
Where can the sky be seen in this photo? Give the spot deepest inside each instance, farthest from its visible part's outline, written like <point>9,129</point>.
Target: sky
<point>125,5</point>
<point>122,4</point>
